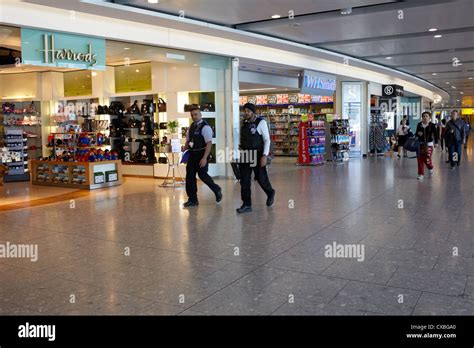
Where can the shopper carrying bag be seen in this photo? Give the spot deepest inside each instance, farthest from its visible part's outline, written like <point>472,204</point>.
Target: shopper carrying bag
<point>428,138</point>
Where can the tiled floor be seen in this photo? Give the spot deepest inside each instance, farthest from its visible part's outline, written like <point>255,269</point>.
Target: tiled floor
<point>134,250</point>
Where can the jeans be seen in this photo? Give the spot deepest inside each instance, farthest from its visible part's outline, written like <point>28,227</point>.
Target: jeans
<point>455,153</point>
<point>192,169</point>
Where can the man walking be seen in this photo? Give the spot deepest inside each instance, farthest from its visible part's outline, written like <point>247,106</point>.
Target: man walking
<point>254,138</point>
<point>455,136</point>
<point>199,143</point>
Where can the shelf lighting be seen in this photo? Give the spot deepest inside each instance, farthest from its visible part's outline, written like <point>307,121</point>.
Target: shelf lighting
<point>275,16</point>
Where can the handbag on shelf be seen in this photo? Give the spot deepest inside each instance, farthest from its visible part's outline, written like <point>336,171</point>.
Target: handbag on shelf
<point>161,105</point>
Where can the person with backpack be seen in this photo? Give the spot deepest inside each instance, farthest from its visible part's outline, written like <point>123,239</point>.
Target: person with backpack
<point>255,138</point>
<point>428,138</point>
<point>455,136</point>
<point>199,144</point>
<point>467,131</point>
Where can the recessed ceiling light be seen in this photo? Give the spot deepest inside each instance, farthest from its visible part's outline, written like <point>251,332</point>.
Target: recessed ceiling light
<point>388,58</point>
<point>275,16</point>
<point>453,87</point>
<point>447,82</point>
<point>346,11</point>
<point>94,73</point>
<point>461,92</point>
<point>153,1</point>
<point>136,70</point>
<point>126,48</point>
<point>434,74</point>
<point>470,78</point>
<point>195,65</point>
<point>433,29</point>
<point>437,36</point>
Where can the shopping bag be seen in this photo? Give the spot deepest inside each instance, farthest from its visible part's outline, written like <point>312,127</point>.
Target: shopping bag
<point>412,145</point>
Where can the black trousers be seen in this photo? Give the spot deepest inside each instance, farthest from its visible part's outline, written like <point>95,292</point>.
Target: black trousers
<point>261,176</point>
<point>192,168</point>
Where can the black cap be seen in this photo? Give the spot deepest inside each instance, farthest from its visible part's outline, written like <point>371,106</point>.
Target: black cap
<point>251,107</point>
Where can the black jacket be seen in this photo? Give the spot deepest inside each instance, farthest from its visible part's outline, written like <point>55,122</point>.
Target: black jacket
<point>455,131</point>
<point>428,134</point>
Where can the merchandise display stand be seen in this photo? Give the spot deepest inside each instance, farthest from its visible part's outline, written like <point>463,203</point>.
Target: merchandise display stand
<point>81,175</point>
<point>173,167</point>
<point>340,139</point>
<point>312,140</point>
<point>17,163</point>
<point>378,144</point>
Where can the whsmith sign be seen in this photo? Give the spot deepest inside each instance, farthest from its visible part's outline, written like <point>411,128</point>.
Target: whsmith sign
<point>312,82</point>
<point>44,48</point>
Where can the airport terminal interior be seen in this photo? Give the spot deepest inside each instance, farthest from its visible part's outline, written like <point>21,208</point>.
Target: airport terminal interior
<point>362,109</point>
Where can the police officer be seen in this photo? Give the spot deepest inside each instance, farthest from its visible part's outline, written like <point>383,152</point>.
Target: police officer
<point>199,143</point>
<point>254,137</point>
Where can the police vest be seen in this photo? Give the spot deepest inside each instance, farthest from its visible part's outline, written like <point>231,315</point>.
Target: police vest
<point>196,137</point>
<point>250,139</point>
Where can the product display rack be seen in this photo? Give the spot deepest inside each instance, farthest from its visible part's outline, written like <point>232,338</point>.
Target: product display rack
<point>284,123</point>
<point>340,139</point>
<point>20,120</point>
<point>81,175</point>
<point>312,140</point>
<point>16,143</point>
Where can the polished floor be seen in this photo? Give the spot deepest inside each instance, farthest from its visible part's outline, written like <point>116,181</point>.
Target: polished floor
<point>134,250</point>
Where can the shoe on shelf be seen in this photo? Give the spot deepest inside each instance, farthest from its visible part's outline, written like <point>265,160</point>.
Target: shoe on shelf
<point>244,209</point>
<point>431,171</point>
<point>271,199</point>
<point>190,204</point>
<point>219,196</point>
<point>420,177</point>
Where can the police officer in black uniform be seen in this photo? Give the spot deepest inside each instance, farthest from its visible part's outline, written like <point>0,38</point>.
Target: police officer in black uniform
<point>199,143</point>
<point>254,136</point>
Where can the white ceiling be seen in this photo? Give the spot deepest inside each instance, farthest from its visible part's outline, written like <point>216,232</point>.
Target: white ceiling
<point>373,31</point>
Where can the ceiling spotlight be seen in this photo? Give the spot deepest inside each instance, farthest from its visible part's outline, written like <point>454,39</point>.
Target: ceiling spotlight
<point>470,78</point>
<point>433,29</point>
<point>126,48</point>
<point>275,16</point>
<point>388,58</point>
<point>94,73</point>
<point>447,82</point>
<point>346,11</point>
<point>153,1</point>
<point>461,92</point>
<point>437,36</point>
<point>136,70</point>
<point>453,87</point>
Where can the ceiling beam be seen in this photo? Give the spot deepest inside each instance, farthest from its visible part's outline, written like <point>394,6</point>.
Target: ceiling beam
<point>393,37</point>
<point>415,53</point>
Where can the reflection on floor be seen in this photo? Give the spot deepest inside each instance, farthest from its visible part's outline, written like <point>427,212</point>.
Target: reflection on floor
<point>133,250</point>
<point>19,192</point>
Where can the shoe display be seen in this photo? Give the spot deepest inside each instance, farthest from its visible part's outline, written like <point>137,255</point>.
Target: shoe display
<point>190,204</point>
<point>244,209</point>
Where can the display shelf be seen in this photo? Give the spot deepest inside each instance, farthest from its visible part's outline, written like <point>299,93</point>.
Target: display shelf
<point>340,139</point>
<point>82,175</point>
<point>312,140</point>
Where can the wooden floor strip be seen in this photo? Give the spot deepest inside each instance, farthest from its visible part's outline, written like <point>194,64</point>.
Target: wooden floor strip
<point>46,200</point>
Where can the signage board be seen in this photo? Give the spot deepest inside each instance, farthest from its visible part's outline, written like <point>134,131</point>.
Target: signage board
<point>392,91</point>
<point>313,82</point>
<point>53,49</point>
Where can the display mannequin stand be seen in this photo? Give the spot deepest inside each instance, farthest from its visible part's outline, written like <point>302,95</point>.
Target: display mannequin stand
<point>173,167</point>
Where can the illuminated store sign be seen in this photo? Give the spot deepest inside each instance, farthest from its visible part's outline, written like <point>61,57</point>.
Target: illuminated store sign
<point>43,48</point>
<point>312,82</point>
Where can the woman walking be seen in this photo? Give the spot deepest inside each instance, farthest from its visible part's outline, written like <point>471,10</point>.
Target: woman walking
<point>428,138</point>
<point>402,135</point>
